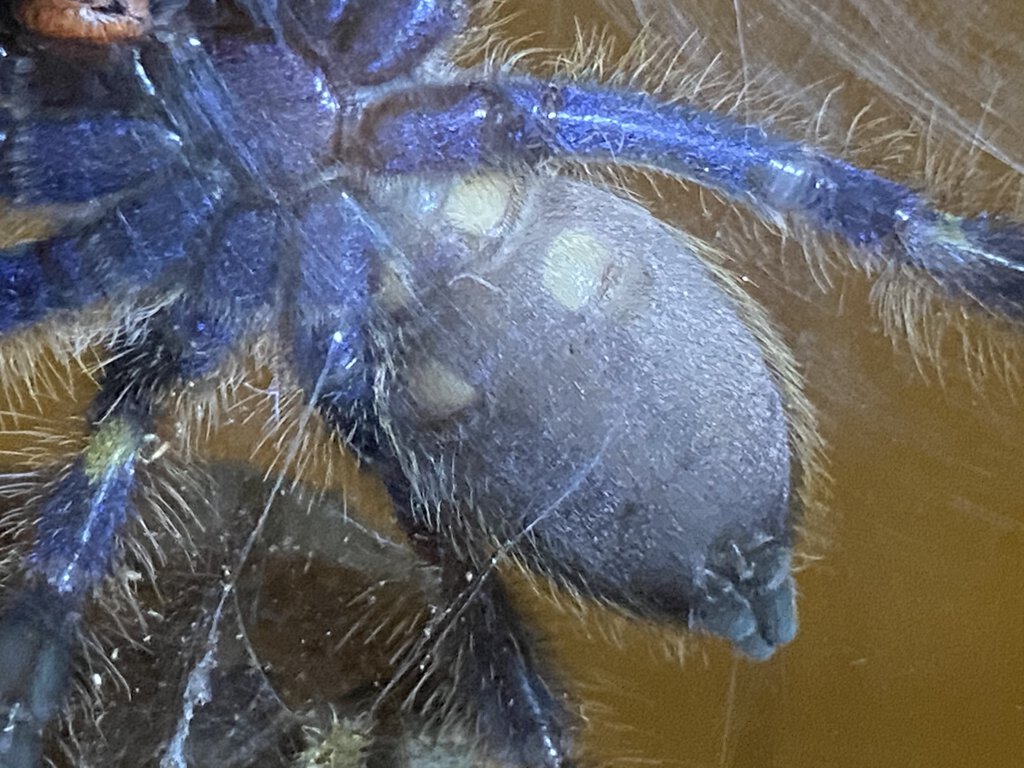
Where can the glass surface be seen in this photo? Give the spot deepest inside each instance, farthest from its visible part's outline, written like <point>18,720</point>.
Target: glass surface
<point>911,645</point>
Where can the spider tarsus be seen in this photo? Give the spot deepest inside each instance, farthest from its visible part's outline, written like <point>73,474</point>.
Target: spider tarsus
<point>37,633</point>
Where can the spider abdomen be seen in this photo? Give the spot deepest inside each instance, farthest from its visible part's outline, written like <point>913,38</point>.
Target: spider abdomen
<point>569,371</point>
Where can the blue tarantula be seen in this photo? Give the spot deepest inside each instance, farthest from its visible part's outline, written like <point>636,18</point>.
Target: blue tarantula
<point>539,371</point>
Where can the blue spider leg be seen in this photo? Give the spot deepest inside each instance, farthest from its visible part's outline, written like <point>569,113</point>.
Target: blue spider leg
<point>370,42</point>
<point>111,153</point>
<point>76,542</point>
<point>141,244</point>
<point>510,120</point>
<point>76,530</point>
<point>82,515</point>
<point>326,290</point>
<point>125,214</point>
<point>131,187</point>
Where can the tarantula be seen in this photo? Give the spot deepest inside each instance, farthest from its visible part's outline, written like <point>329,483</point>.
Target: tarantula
<point>541,372</point>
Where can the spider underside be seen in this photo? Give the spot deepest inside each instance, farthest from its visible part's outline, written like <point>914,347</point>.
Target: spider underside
<point>542,373</point>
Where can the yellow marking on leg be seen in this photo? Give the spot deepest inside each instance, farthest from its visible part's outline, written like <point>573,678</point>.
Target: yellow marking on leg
<point>111,445</point>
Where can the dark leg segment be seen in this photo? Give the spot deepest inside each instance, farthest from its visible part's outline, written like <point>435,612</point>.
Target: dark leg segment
<point>37,632</point>
<point>494,671</point>
<point>486,658</point>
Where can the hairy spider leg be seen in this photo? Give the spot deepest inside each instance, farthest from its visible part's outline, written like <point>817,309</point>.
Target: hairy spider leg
<point>77,526</point>
<point>490,658</point>
<point>516,119</point>
<point>106,205</point>
<point>144,236</point>
<point>82,515</point>
<point>100,204</point>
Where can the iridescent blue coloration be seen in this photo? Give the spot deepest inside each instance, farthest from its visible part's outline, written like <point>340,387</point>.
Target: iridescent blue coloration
<point>78,525</point>
<point>142,242</point>
<point>330,311</point>
<point>592,405</point>
<point>76,541</point>
<point>515,120</point>
<point>111,152</point>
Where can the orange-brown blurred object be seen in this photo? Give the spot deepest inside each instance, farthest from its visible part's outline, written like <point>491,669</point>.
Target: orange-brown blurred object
<point>98,21</point>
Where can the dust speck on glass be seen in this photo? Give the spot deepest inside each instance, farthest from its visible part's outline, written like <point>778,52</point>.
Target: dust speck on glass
<point>408,233</point>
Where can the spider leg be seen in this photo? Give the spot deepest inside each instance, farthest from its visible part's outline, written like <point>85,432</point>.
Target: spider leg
<point>82,514</point>
<point>326,292</point>
<point>111,153</point>
<point>515,120</point>
<point>370,42</point>
<point>481,650</point>
<point>141,244</point>
<point>76,543</point>
<point>91,209</point>
<point>106,203</point>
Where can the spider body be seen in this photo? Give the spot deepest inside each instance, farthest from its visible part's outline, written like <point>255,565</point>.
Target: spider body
<point>204,187</point>
<point>539,370</point>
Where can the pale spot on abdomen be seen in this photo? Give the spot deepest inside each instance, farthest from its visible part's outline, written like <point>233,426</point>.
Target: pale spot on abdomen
<point>576,268</point>
<point>439,390</point>
<point>478,205</point>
